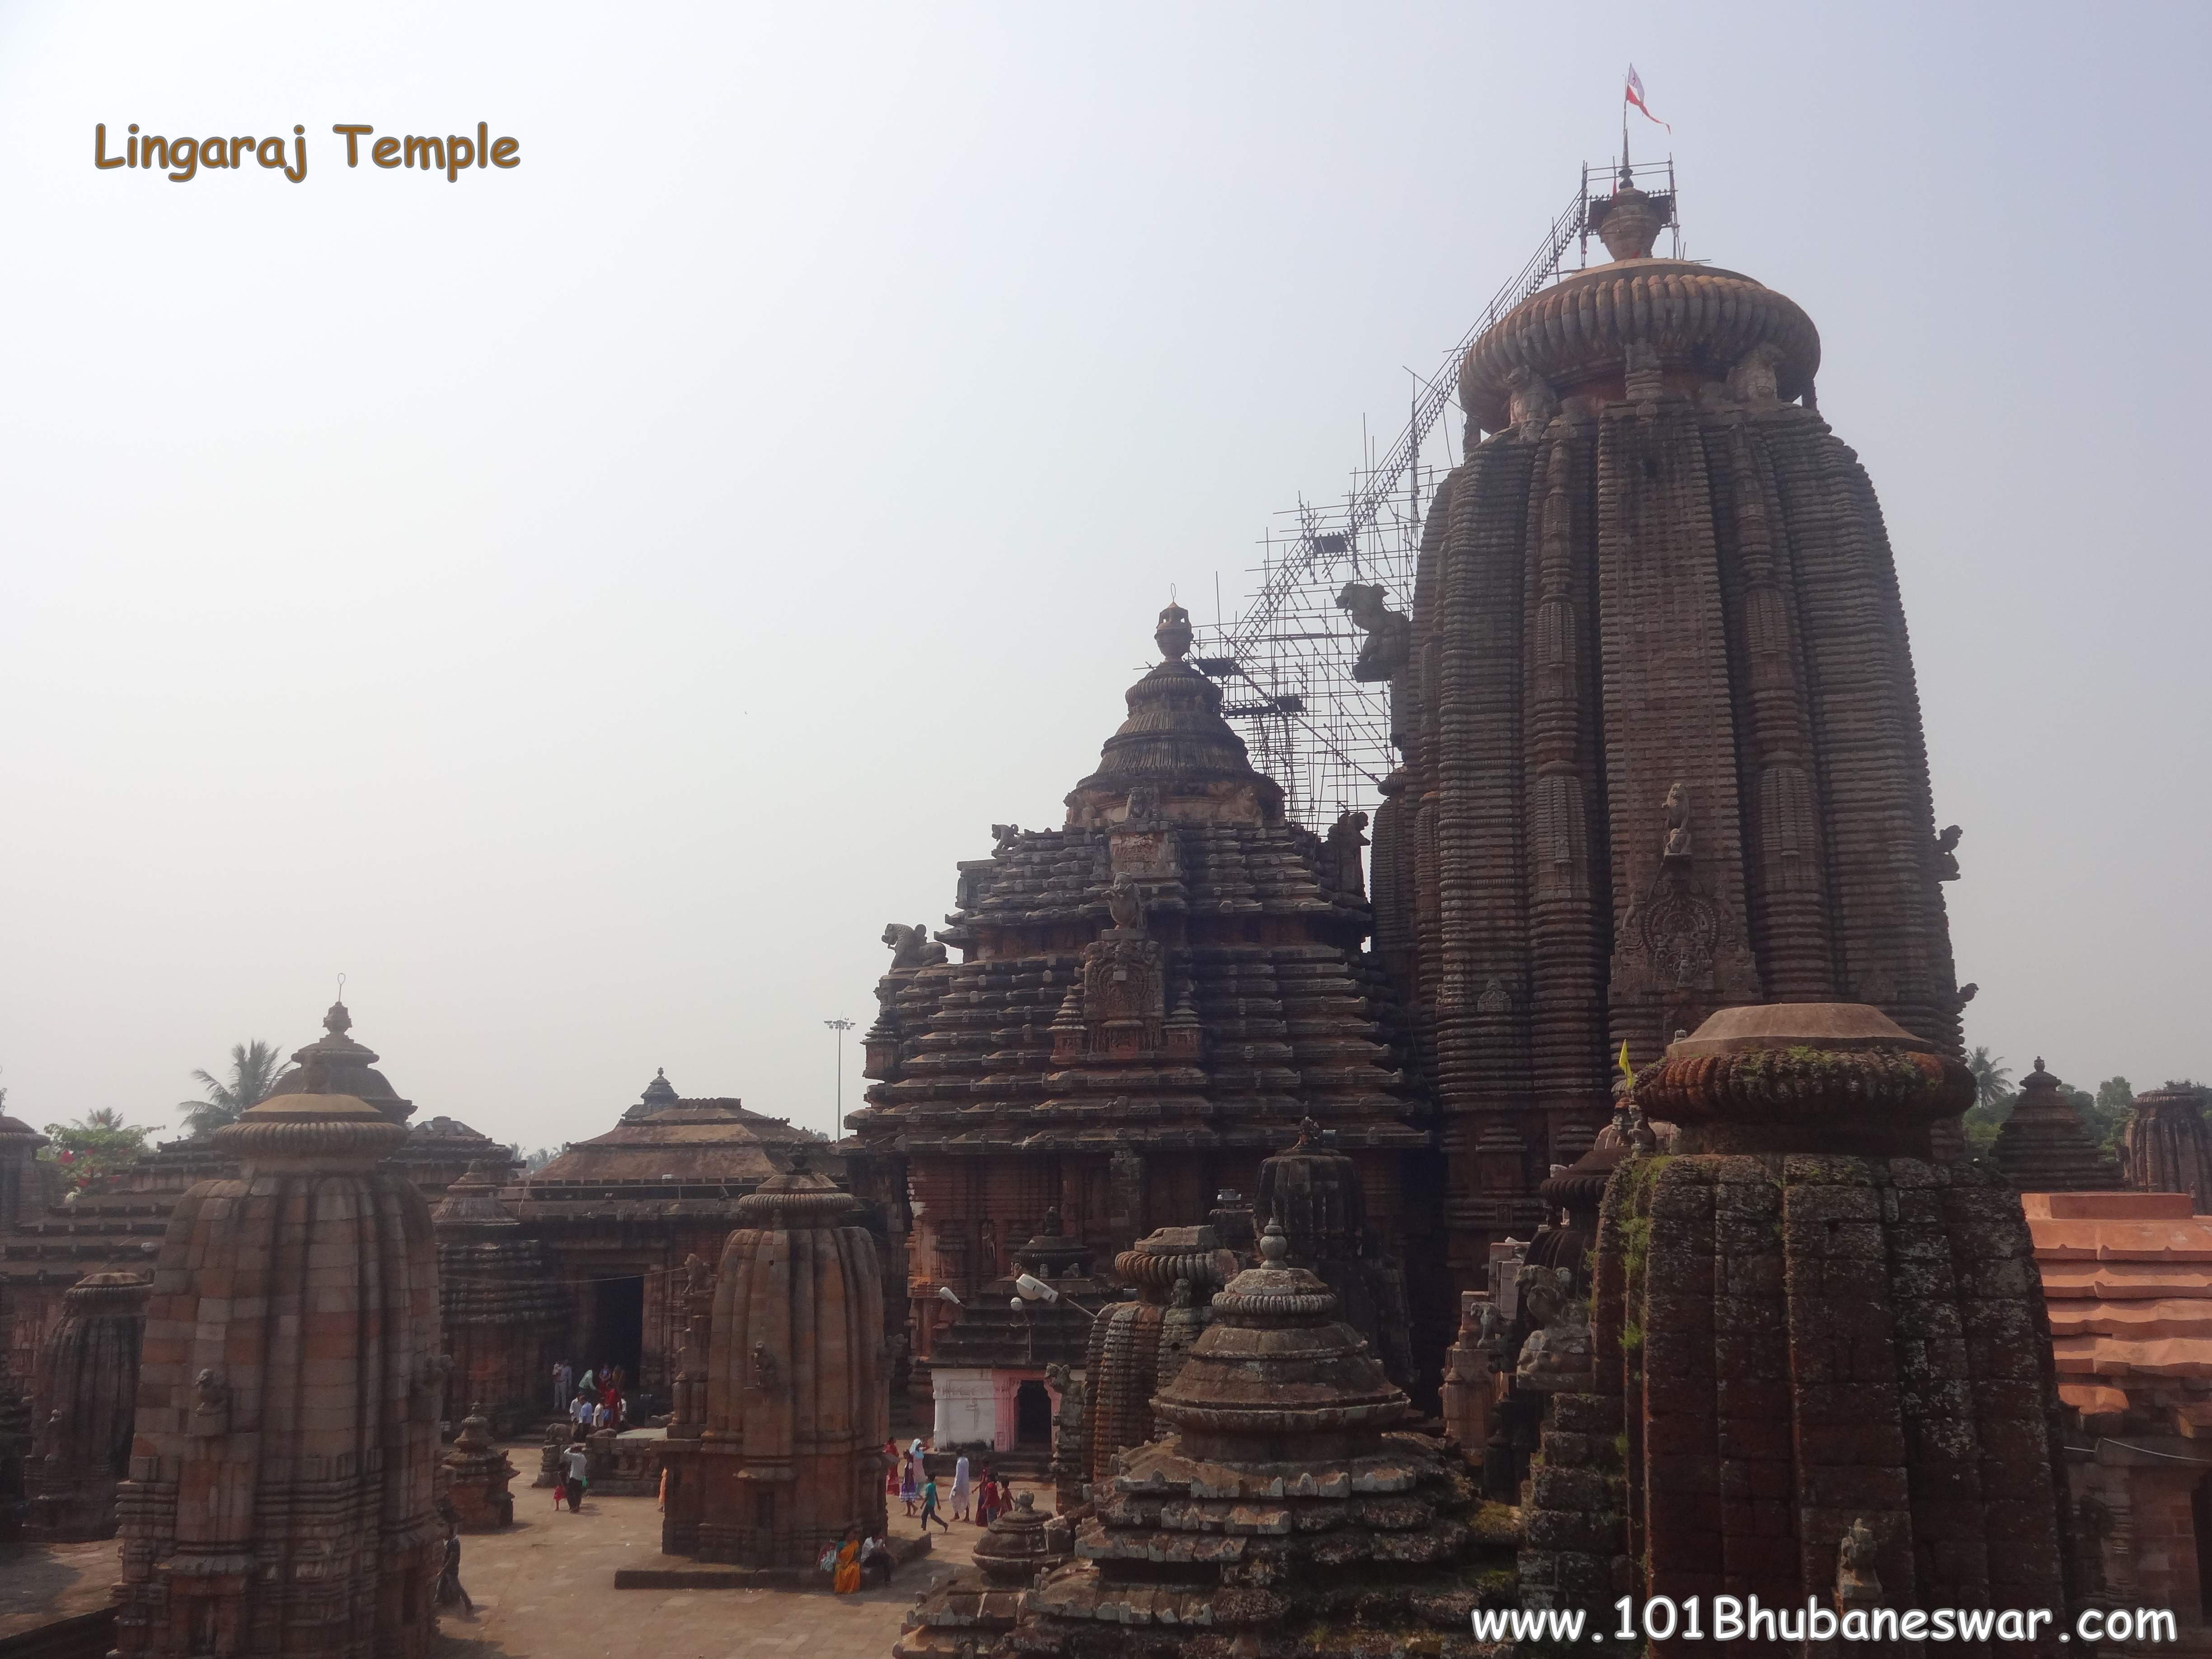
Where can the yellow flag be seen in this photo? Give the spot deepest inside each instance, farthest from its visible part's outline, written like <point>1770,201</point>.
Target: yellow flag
<point>1626,1070</point>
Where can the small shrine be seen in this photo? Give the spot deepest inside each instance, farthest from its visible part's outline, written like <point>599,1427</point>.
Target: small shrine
<point>991,1375</point>
<point>1281,1509</point>
<point>788,1451</point>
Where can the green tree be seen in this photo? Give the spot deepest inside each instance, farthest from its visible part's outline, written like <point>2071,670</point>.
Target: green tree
<point>1992,1079</point>
<point>95,1146</point>
<point>1993,1098</point>
<point>253,1071</point>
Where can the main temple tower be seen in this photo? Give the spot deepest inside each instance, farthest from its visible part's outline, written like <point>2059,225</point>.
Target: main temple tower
<point>1663,749</point>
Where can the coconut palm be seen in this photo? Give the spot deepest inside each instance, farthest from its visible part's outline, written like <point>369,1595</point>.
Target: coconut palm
<point>253,1069</point>
<point>1992,1079</point>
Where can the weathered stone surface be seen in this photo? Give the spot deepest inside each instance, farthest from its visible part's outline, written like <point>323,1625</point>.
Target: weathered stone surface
<point>2045,1148</point>
<point>476,1477</point>
<point>1278,1510</point>
<point>1151,998</point>
<point>281,1498</point>
<point>1808,1336</point>
<point>2168,1146</point>
<point>797,1388</point>
<point>1662,750</point>
<point>504,1312</point>
<point>974,1611</point>
<point>86,1394</point>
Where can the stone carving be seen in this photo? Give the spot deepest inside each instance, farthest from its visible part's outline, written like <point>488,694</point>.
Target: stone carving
<point>1679,842</point>
<point>1756,375</point>
<point>912,947</point>
<point>211,1404</point>
<point>1345,838</point>
<point>1946,852</point>
<point>1531,403</point>
<point>1557,1353</point>
<point>1389,642</point>
<point>1143,805</point>
<point>1857,1585</point>
<point>763,1376</point>
<point>1124,903</point>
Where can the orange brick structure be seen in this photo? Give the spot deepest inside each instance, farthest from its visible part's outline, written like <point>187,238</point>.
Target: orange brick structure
<point>789,1453</point>
<point>281,1498</point>
<point>2127,1278</point>
<point>1800,1322</point>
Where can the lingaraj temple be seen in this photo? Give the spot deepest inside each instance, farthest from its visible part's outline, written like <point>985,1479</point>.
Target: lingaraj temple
<point>1562,1198</point>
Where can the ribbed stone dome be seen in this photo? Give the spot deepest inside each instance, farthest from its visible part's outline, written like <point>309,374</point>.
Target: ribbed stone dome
<point>1176,741</point>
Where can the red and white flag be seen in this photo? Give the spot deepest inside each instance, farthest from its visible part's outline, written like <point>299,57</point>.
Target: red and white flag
<point>1635,96</point>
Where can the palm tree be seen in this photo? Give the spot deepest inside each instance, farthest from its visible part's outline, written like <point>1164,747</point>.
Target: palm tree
<point>1992,1079</point>
<point>253,1069</point>
<point>103,1117</point>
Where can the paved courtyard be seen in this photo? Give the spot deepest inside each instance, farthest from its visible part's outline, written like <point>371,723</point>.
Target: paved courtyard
<point>545,1589</point>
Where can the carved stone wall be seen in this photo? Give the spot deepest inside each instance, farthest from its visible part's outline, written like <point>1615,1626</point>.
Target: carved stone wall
<point>86,1392</point>
<point>797,1402</point>
<point>1799,1323</point>
<point>280,1494</point>
<point>1664,750</point>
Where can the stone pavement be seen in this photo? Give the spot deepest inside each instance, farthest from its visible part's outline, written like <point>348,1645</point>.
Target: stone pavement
<point>42,1582</point>
<point>545,1589</point>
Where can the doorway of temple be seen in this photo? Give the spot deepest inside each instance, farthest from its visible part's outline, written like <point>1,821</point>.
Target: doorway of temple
<point>617,1325</point>
<point>1032,1415</point>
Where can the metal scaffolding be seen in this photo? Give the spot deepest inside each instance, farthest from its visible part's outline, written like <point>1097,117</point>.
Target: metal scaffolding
<point>1284,662</point>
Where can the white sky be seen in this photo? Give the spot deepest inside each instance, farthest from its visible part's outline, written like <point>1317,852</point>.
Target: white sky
<point>584,603</point>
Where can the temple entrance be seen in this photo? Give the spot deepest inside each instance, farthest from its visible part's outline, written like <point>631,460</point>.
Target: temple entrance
<point>1032,1415</point>
<point>615,1330</point>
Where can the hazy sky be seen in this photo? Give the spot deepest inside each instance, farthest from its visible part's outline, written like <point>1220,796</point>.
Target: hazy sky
<point>583,603</point>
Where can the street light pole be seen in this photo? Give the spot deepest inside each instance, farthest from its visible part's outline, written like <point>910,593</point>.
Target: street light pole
<point>838,1028</point>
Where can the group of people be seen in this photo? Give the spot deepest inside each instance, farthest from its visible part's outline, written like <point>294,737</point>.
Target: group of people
<point>910,1482</point>
<point>854,1561</point>
<point>592,1401</point>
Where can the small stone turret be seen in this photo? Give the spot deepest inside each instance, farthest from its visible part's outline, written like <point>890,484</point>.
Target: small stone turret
<point>1123,1363</point>
<point>27,1185</point>
<point>88,1391</point>
<point>478,1473</point>
<point>503,1307</point>
<point>281,1489</point>
<point>798,1401</point>
<point>1314,1190</point>
<point>969,1613</point>
<point>1800,1323</point>
<point>2045,1148</point>
<point>1278,1510</point>
<point>2166,1147</point>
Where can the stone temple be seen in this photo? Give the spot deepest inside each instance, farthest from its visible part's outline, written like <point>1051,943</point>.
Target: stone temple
<point>1153,996</point>
<point>1662,750</point>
